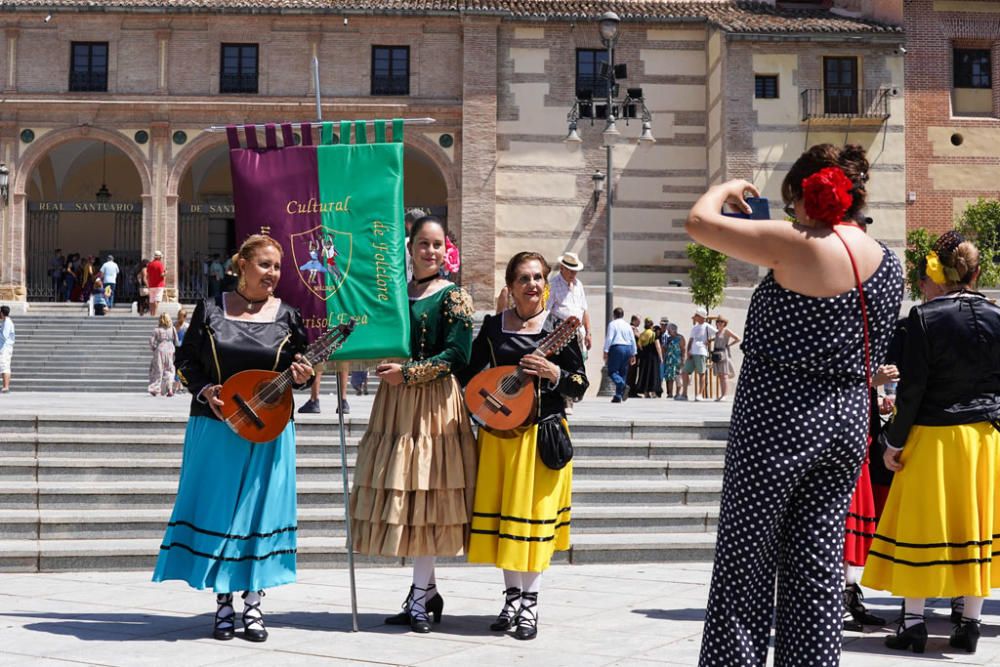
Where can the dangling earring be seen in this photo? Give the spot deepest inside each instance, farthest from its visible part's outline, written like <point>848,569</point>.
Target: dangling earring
<point>545,295</point>
<point>241,286</point>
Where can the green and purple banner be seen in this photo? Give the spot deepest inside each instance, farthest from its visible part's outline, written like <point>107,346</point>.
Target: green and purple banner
<point>336,207</point>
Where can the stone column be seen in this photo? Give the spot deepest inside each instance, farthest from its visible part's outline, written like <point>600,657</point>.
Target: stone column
<point>154,236</point>
<point>12,227</point>
<point>479,156</point>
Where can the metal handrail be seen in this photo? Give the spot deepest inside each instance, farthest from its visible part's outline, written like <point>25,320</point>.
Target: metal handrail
<point>845,103</point>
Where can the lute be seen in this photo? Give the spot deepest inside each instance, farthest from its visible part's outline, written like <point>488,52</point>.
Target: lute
<point>257,404</point>
<point>503,398</point>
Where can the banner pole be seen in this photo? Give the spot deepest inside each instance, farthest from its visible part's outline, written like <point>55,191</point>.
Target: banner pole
<point>319,106</point>
<point>347,508</point>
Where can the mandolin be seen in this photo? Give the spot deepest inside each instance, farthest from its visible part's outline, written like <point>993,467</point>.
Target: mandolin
<point>257,404</point>
<point>503,398</point>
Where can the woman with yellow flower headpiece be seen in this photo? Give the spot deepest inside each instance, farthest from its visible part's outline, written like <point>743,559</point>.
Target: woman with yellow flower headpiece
<point>939,529</point>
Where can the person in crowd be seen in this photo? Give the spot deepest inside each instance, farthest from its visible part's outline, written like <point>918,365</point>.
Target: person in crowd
<point>56,264</point>
<point>109,277</point>
<point>234,524</point>
<point>633,370</point>
<point>817,327</point>
<point>163,342</point>
<point>941,519</point>
<point>6,348</point>
<point>215,275</point>
<point>416,469</point>
<point>697,354</point>
<point>620,351</point>
<point>359,380</point>
<point>181,326</point>
<point>229,273</point>
<point>69,278</point>
<point>567,299</point>
<point>674,349</point>
<point>647,382</point>
<point>142,283</point>
<point>86,278</point>
<point>311,406</point>
<point>722,356</point>
<point>156,279</point>
<point>521,514</point>
<point>98,296</point>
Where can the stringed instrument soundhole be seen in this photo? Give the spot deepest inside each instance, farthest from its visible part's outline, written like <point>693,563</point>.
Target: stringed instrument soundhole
<point>264,396</point>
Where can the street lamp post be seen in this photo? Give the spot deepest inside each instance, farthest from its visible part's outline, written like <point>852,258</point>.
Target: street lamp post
<point>584,107</point>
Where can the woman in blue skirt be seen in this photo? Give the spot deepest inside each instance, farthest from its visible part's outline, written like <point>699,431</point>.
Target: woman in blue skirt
<point>233,527</point>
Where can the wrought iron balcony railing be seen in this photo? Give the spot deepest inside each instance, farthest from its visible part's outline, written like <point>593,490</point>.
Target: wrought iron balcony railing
<point>238,83</point>
<point>849,103</point>
<point>88,81</point>
<point>390,85</point>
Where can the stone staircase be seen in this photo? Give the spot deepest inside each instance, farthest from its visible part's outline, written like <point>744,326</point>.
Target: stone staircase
<point>95,492</point>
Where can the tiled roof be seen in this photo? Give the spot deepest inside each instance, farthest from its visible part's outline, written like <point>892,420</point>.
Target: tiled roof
<point>732,16</point>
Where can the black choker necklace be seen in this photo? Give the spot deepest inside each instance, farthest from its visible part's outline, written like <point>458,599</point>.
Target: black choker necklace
<point>424,281</point>
<point>526,319</point>
<point>251,302</point>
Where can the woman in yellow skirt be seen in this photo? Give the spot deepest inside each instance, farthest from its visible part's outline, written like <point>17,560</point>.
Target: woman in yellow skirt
<point>938,532</point>
<point>522,509</point>
<point>416,467</point>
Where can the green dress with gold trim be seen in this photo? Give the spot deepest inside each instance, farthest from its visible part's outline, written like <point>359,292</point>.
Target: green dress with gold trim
<point>416,470</point>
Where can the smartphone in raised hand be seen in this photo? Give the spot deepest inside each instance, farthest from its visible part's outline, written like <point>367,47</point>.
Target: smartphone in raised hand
<point>759,206</point>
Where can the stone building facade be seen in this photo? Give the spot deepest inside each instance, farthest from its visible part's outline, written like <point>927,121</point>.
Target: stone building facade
<point>499,81</point>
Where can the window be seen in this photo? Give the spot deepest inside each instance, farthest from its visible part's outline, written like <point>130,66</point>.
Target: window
<point>840,85</point>
<point>766,86</point>
<point>238,73</point>
<point>89,67</point>
<point>972,68</point>
<point>390,70</point>
<point>588,73</point>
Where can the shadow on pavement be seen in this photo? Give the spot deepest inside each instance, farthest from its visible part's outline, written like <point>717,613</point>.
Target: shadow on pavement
<point>673,614</point>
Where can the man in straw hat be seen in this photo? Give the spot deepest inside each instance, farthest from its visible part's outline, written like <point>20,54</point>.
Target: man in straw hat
<point>701,333</point>
<point>567,299</point>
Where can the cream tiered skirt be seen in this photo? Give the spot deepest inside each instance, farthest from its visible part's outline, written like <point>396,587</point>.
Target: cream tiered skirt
<point>414,482</point>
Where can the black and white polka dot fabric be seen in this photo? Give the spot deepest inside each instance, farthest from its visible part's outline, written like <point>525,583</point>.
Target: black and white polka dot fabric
<point>796,443</point>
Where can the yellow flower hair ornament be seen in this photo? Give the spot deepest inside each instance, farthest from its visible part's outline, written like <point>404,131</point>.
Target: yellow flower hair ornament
<point>935,270</point>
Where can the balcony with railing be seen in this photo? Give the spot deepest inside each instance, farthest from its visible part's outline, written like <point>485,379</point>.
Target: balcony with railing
<point>846,103</point>
<point>83,81</point>
<point>238,83</point>
<point>390,85</point>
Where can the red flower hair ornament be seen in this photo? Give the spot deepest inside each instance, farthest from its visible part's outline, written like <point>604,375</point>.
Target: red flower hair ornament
<point>827,195</point>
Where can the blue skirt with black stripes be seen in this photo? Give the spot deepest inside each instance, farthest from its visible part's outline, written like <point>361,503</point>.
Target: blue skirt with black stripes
<point>234,525</point>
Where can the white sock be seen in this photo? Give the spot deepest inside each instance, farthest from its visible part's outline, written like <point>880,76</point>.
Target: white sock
<point>531,582</point>
<point>423,570</point>
<point>852,574</point>
<point>973,608</point>
<point>913,606</point>
<point>512,579</point>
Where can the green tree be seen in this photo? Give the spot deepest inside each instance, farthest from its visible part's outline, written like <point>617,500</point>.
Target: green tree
<point>980,223</point>
<point>918,244</point>
<point>708,275</point>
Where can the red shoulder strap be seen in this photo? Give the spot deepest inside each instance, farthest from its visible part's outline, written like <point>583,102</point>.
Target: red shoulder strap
<point>864,308</point>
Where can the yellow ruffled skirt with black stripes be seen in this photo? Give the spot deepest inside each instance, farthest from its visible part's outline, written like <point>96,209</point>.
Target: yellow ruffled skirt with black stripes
<point>521,513</point>
<point>941,525</point>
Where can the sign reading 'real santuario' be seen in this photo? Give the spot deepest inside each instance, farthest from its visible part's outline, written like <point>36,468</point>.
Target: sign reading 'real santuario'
<point>337,211</point>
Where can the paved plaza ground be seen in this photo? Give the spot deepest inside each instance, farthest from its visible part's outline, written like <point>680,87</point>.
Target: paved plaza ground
<point>620,614</point>
<point>631,615</point>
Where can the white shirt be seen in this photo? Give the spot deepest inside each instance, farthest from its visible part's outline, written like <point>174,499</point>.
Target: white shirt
<point>7,335</point>
<point>109,273</point>
<point>566,300</point>
<point>620,333</point>
<point>698,340</point>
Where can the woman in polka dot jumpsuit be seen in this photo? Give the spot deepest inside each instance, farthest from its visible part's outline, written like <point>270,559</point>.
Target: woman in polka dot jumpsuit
<point>799,427</point>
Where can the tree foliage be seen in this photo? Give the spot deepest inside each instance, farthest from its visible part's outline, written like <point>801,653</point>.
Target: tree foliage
<point>708,275</point>
<point>918,244</point>
<point>980,223</point>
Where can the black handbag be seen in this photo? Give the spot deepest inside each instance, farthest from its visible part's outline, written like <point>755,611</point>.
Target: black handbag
<point>718,356</point>
<point>554,446</point>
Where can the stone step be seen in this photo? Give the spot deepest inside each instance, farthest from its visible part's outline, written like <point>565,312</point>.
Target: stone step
<point>117,524</point>
<point>140,554</point>
<point>160,494</point>
<point>102,445</point>
<point>165,469</point>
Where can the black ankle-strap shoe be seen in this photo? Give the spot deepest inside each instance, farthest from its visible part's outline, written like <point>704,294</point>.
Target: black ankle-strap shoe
<point>224,617</point>
<point>966,635</point>
<point>505,620</point>
<point>913,637</point>
<point>527,617</point>
<point>253,620</point>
